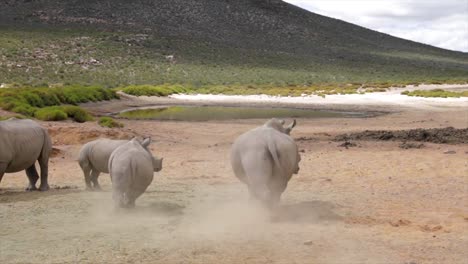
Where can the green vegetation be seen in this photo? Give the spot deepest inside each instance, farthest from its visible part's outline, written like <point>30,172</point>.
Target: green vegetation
<point>34,56</point>
<point>106,121</point>
<point>291,90</point>
<point>52,113</point>
<point>436,93</point>
<point>153,90</point>
<point>57,113</point>
<point>44,103</point>
<point>8,117</point>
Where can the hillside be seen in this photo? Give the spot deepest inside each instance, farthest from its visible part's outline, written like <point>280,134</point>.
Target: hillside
<point>115,42</point>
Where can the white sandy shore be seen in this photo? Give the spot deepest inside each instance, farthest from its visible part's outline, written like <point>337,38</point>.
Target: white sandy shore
<point>392,98</point>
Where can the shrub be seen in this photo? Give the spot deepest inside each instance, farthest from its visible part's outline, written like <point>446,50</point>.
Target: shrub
<point>24,109</point>
<point>57,113</point>
<point>436,93</point>
<point>109,122</point>
<point>26,101</point>
<point>151,90</point>
<point>77,113</point>
<point>50,114</point>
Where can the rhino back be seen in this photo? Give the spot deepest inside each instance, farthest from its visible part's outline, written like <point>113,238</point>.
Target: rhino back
<point>99,151</point>
<point>131,167</point>
<point>267,143</point>
<point>21,143</point>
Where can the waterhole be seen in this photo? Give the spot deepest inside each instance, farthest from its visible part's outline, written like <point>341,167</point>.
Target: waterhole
<point>206,113</point>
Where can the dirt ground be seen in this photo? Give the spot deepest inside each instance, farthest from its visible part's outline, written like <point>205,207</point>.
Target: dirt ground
<point>371,203</point>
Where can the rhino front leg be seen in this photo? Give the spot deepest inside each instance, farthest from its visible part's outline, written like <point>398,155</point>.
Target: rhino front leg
<point>31,172</point>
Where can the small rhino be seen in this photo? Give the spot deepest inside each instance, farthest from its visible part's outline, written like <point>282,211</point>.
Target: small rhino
<point>94,158</point>
<point>22,143</point>
<point>131,167</point>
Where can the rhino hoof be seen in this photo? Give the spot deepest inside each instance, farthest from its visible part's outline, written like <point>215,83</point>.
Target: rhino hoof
<point>31,188</point>
<point>44,188</point>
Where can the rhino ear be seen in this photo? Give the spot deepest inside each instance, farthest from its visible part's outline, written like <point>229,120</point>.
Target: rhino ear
<point>146,142</point>
<point>291,126</point>
<point>281,122</point>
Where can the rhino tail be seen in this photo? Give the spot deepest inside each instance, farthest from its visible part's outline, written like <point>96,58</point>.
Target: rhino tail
<point>46,147</point>
<point>274,154</point>
<point>83,157</point>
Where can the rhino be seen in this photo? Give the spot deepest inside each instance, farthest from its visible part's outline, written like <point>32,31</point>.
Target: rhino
<point>94,158</point>
<point>131,167</point>
<point>265,158</point>
<point>22,143</point>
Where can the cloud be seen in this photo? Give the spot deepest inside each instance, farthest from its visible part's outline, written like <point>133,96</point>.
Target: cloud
<point>439,23</point>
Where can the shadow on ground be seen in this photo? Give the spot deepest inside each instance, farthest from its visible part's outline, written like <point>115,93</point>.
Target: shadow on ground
<point>156,208</point>
<point>20,195</point>
<point>309,211</point>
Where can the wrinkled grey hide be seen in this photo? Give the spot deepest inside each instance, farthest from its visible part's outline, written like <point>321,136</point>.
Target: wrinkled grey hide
<point>22,143</point>
<point>94,158</point>
<point>265,158</point>
<point>131,167</point>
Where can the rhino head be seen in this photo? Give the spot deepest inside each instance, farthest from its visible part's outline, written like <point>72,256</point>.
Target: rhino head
<point>157,162</point>
<point>279,125</point>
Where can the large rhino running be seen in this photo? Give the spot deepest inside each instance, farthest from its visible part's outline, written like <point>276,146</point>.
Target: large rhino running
<point>131,167</point>
<point>265,158</point>
<point>22,143</point>
<point>94,158</point>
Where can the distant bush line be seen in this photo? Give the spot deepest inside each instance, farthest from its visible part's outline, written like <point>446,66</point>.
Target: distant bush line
<point>268,89</point>
<point>436,93</point>
<point>56,103</point>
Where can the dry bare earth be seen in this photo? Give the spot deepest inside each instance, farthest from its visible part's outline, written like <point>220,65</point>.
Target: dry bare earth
<point>374,203</point>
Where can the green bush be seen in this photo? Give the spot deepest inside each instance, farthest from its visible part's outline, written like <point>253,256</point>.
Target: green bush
<point>436,93</point>
<point>152,90</point>
<point>28,100</point>
<point>57,113</point>
<point>50,114</point>
<point>109,122</point>
<point>77,113</point>
<point>24,109</point>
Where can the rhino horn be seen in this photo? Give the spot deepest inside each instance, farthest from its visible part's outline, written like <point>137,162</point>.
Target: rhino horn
<point>146,142</point>
<point>291,126</point>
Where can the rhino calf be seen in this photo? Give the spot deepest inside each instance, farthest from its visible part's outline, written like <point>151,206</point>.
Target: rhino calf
<point>94,158</point>
<point>265,158</point>
<point>131,167</point>
<point>22,143</point>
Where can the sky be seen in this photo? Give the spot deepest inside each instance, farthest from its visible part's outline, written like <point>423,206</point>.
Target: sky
<point>440,23</point>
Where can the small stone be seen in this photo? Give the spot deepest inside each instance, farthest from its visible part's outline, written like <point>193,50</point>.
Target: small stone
<point>450,152</point>
<point>308,243</point>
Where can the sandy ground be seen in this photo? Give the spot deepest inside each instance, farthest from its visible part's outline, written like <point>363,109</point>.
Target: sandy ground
<point>374,203</point>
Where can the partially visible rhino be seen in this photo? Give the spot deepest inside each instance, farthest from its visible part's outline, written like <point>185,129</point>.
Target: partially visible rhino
<point>131,167</point>
<point>22,143</point>
<point>94,158</point>
<point>265,158</point>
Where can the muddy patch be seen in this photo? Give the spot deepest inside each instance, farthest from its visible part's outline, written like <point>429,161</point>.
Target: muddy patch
<point>448,135</point>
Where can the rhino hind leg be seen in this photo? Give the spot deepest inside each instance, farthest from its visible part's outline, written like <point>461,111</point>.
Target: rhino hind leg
<point>44,164</point>
<point>118,197</point>
<point>3,167</point>
<point>31,172</point>
<point>94,180</point>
